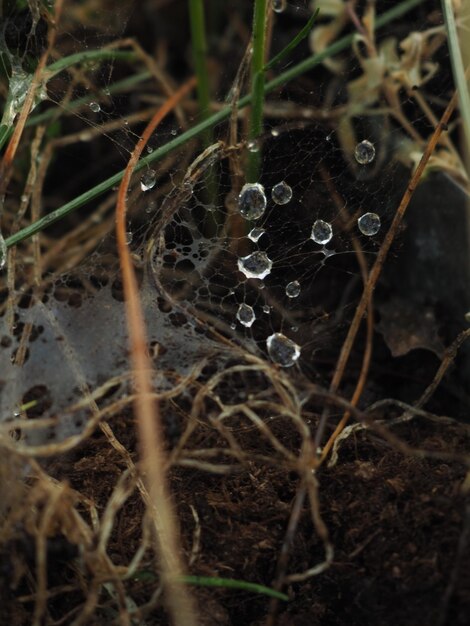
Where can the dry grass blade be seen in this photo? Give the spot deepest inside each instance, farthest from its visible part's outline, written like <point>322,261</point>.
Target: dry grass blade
<point>179,602</point>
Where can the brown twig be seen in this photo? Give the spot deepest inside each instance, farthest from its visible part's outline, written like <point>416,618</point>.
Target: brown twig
<point>381,257</point>
<point>179,602</point>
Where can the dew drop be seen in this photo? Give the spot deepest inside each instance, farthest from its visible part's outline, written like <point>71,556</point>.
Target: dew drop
<point>369,224</point>
<point>151,207</point>
<point>282,350</point>
<point>467,317</point>
<point>255,265</point>
<point>321,232</point>
<point>364,152</point>
<point>3,252</point>
<point>95,107</point>
<point>252,201</point>
<point>253,145</point>
<point>275,132</point>
<point>293,289</point>
<point>129,237</point>
<point>149,149</point>
<point>246,315</point>
<point>256,233</point>
<point>148,179</point>
<point>279,5</point>
<point>281,193</point>
<point>266,309</point>
<point>173,132</point>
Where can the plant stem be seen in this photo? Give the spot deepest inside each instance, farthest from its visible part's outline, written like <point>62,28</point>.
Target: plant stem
<point>199,46</point>
<point>257,86</point>
<point>210,122</point>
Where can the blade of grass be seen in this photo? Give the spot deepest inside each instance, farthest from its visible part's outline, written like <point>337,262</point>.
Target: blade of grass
<point>294,43</point>
<point>458,67</point>
<point>199,46</point>
<point>257,86</point>
<point>232,583</point>
<point>212,121</point>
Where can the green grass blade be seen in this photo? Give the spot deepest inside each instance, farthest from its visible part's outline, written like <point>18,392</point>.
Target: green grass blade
<point>294,43</point>
<point>199,47</point>
<point>232,583</point>
<point>89,56</point>
<point>212,121</point>
<point>458,68</point>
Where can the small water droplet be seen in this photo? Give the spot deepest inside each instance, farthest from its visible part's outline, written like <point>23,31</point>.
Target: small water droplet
<point>3,252</point>
<point>246,315</point>
<point>129,237</point>
<point>173,132</point>
<point>369,224</point>
<point>275,132</point>
<point>256,233</point>
<point>253,145</point>
<point>148,179</point>
<point>467,317</point>
<point>95,107</point>
<point>151,207</point>
<point>279,5</point>
<point>321,232</point>
<point>149,149</point>
<point>252,201</point>
<point>281,193</point>
<point>255,265</point>
<point>364,152</point>
<point>293,289</point>
<point>282,350</point>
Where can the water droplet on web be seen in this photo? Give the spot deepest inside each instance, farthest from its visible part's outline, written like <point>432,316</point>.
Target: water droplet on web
<point>148,179</point>
<point>364,152</point>
<point>282,350</point>
<point>266,309</point>
<point>281,193</point>
<point>129,237</point>
<point>151,207</point>
<point>3,252</point>
<point>252,201</point>
<point>149,149</point>
<point>253,145</point>
<point>95,107</point>
<point>467,317</point>
<point>255,265</point>
<point>275,132</point>
<point>293,289</point>
<point>256,233</point>
<point>173,132</point>
<point>246,315</point>
<point>321,232</point>
<point>279,5</point>
<point>369,224</point>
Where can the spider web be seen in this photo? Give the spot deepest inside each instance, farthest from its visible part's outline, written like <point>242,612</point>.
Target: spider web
<point>64,351</point>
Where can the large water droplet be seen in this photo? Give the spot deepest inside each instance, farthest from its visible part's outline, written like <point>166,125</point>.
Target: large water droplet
<point>322,232</point>
<point>279,5</point>
<point>148,179</point>
<point>255,265</point>
<point>281,193</point>
<point>3,252</point>
<point>252,201</point>
<point>95,107</point>
<point>282,350</point>
<point>256,233</point>
<point>369,224</point>
<point>293,289</point>
<point>364,152</point>
<point>246,315</point>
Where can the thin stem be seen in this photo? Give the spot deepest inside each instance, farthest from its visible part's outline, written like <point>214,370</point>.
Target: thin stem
<point>257,85</point>
<point>210,122</point>
<point>199,46</point>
